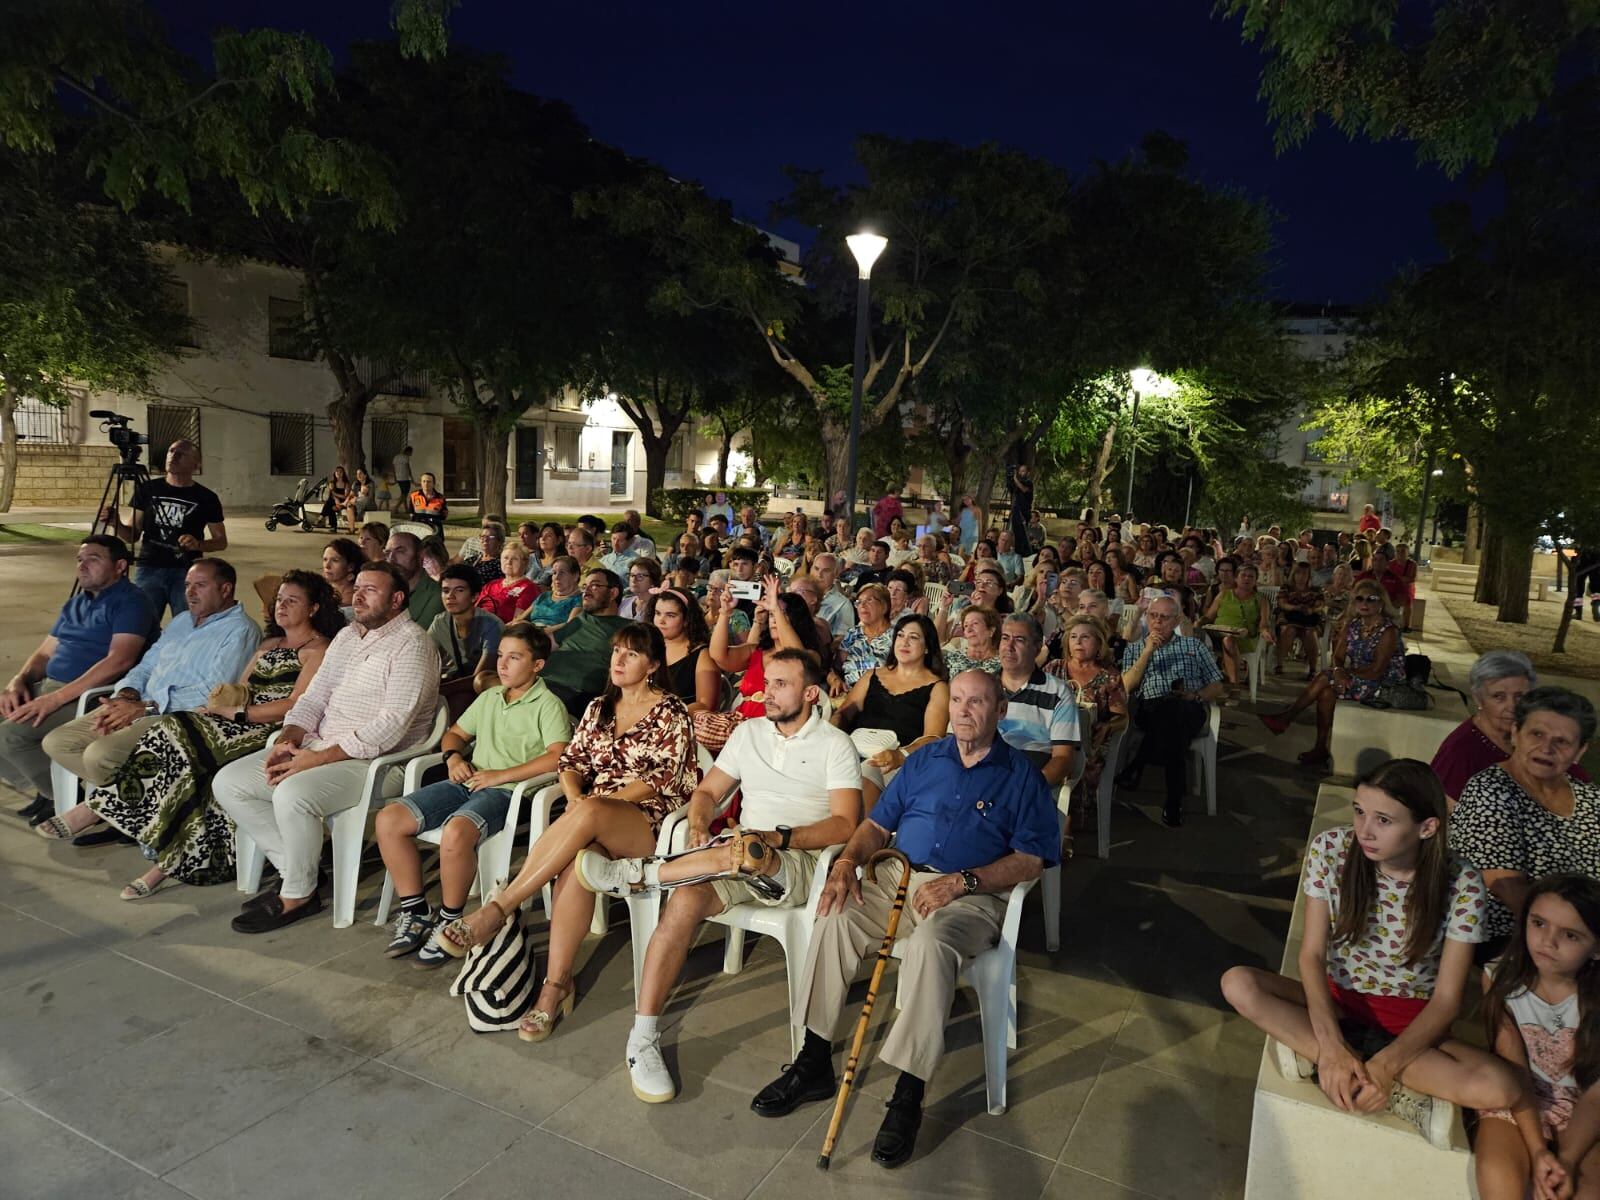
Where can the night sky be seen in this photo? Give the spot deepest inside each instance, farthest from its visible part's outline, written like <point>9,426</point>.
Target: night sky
<point>729,93</point>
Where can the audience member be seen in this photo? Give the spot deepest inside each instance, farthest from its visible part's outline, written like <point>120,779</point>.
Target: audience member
<point>207,644</point>
<point>631,761</point>
<point>578,666</point>
<point>1371,653</point>
<point>835,607</point>
<point>376,691</point>
<point>1089,664</point>
<point>485,558</point>
<point>693,675</point>
<point>561,599</point>
<point>1527,816</point>
<point>581,542</point>
<point>977,817</point>
<point>98,636</point>
<point>161,796</point>
<point>1244,617</point>
<point>979,648</point>
<point>1041,718</point>
<point>548,544</point>
<point>1299,618</point>
<point>899,705</point>
<point>341,559</point>
<point>517,731</point>
<point>1171,679</point>
<point>643,577</point>
<point>867,643</point>
<point>625,548</point>
<point>510,595</point>
<point>404,553</point>
<point>427,505</point>
<point>468,636</point>
<point>372,539</point>
<point>800,790</point>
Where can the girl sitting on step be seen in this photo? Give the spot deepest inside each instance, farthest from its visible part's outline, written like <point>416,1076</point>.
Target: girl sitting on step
<point>1391,919</point>
<point>1543,1016</point>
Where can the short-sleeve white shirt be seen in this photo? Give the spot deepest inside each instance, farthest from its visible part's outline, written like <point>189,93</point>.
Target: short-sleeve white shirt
<point>786,780</point>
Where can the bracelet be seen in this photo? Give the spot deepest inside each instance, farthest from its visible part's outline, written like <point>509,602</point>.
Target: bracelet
<point>454,751</point>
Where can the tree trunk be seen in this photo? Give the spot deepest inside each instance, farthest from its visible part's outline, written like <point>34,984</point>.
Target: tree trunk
<point>724,452</point>
<point>957,450</point>
<point>1516,571</point>
<point>987,474</point>
<point>1102,464</point>
<point>494,437</point>
<point>8,447</point>
<point>836,450</point>
<point>655,471</point>
<point>1571,595</point>
<point>1488,589</point>
<point>348,415</point>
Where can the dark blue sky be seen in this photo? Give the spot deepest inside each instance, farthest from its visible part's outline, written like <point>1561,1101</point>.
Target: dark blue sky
<point>728,93</point>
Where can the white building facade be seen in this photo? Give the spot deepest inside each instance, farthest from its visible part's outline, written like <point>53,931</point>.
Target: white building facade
<point>257,407</point>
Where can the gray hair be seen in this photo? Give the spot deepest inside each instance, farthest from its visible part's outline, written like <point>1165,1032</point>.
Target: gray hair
<point>833,559</point>
<point>1026,620</point>
<point>1177,605</point>
<point>1500,664</point>
<point>1563,703</point>
<point>1094,594</point>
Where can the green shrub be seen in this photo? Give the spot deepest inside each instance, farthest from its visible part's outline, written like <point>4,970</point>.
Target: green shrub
<point>676,503</point>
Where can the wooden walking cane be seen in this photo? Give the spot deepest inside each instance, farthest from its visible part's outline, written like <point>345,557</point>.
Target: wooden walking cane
<point>884,952</point>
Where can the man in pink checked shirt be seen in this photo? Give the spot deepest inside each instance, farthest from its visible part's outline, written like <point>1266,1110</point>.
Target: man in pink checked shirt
<point>375,692</point>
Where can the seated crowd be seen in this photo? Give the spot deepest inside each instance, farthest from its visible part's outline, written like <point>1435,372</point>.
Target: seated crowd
<point>813,689</point>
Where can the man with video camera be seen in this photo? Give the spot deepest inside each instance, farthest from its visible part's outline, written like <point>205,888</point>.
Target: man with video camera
<point>179,521</point>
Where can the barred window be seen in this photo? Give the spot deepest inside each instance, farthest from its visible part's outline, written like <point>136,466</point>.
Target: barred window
<point>167,424</point>
<point>292,444</point>
<point>567,449</point>
<point>389,437</point>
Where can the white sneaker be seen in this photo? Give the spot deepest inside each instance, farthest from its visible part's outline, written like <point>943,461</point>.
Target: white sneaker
<point>620,877</point>
<point>1290,1064</point>
<point>1433,1118</point>
<point>647,1071</point>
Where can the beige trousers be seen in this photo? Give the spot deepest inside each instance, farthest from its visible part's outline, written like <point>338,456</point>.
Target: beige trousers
<point>933,950</point>
<point>93,757</point>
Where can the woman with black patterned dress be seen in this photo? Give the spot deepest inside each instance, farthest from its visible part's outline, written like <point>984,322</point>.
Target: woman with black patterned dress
<point>161,797</point>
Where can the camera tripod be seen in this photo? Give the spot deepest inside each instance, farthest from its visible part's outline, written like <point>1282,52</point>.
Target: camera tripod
<point>135,475</point>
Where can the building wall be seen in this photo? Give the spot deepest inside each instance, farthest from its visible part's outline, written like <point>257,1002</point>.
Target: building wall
<point>1336,498</point>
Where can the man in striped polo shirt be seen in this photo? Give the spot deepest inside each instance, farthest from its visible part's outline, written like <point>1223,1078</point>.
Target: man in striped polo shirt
<point>1041,717</point>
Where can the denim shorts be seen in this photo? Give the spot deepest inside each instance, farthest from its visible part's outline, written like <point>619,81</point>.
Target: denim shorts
<point>436,803</point>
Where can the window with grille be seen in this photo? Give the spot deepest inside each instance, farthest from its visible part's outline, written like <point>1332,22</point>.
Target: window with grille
<point>292,444</point>
<point>178,300</point>
<point>167,424</point>
<point>41,424</point>
<point>286,321</point>
<point>567,449</point>
<point>389,437</point>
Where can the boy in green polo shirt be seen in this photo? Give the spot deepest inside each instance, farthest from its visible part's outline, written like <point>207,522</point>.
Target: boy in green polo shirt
<point>517,731</point>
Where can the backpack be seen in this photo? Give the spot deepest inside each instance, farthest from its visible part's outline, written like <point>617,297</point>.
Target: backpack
<point>1410,693</point>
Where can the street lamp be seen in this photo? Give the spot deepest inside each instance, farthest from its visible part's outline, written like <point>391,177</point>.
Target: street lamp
<point>866,247</point>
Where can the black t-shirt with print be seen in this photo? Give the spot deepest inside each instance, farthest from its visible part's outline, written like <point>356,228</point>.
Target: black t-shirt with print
<point>169,513</point>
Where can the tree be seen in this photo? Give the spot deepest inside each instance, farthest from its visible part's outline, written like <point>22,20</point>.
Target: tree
<point>965,226</point>
<point>1453,76</point>
<point>83,300</point>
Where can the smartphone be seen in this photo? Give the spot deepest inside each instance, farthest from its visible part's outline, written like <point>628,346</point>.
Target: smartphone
<point>745,589</point>
<point>960,589</point>
<point>1050,580</point>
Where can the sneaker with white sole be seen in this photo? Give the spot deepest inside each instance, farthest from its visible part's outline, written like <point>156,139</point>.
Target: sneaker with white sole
<point>1290,1064</point>
<point>411,929</point>
<point>648,1073</point>
<point>620,877</point>
<point>1432,1117</point>
<point>432,954</point>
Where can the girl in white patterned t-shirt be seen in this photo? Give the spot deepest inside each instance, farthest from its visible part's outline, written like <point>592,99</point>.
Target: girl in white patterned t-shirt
<point>1543,1016</point>
<point>1391,919</point>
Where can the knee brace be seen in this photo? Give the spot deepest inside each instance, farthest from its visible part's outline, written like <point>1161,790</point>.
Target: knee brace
<point>748,857</point>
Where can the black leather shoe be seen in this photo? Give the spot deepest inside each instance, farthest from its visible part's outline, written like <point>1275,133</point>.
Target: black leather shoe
<point>897,1136</point>
<point>264,896</point>
<point>37,810</point>
<point>271,914</point>
<point>800,1082</point>
<point>109,836</point>
<point>1172,818</point>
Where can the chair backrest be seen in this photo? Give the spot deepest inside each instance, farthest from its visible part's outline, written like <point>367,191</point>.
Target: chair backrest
<point>935,593</point>
<point>416,528</point>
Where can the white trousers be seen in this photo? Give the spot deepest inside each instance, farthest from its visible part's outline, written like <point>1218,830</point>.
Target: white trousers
<point>286,821</point>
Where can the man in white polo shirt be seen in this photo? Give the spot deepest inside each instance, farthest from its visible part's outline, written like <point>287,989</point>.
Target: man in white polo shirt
<point>801,782</point>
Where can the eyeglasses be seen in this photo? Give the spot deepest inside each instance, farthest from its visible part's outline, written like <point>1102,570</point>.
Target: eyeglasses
<point>1368,599</point>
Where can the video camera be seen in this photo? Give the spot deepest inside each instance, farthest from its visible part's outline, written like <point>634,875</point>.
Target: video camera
<point>119,429</point>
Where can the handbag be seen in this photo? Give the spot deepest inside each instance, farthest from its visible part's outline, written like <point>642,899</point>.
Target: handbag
<point>497,979</point>
<point>871,741</point>
<point>229,696</point>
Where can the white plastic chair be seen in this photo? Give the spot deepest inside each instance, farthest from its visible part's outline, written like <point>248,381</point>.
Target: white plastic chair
<point>63,783</point>
<point>1107,792</point>
<point>348,828</point>
<point>1255,661</point>
<point>417,528</point>
<point>494,853</point>
<point>1203,772</point>
<point>1050,880</point>
<point>790,927</point>
<point>935,594</point>
<point>993,976</point>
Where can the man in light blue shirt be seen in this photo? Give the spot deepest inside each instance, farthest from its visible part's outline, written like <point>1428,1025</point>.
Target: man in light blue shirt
<point>209,644</point>
<point>834,607</point>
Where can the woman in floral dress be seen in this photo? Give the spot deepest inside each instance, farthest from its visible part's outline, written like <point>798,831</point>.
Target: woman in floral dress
<point>161,796</point>
<point>631,761</point>
<point>1087,663</point>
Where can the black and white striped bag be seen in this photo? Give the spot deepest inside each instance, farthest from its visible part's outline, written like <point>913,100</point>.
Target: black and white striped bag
<point>497,978</point>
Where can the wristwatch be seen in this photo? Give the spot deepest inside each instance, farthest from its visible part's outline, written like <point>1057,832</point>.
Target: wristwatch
<point>784,832</point>
<point>451,751</point>
<point>969,883</point>
<point>239,717</point>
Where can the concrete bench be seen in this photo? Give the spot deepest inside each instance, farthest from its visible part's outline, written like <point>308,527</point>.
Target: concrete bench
<point>1363,737</point>
<point>1302,1146</point>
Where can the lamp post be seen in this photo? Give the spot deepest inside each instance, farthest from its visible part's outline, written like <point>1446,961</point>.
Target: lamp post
<point>866,247</point>
<point>1133,442</point>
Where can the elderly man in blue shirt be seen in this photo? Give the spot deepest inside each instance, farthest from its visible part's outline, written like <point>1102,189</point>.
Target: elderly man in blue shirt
<point>209,644</point>
<point>974,817</point>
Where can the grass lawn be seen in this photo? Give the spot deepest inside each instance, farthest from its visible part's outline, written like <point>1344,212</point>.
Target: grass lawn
<point>37,535</point>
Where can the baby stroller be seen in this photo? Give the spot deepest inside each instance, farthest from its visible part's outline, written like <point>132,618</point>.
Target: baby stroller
<point>304,508</point>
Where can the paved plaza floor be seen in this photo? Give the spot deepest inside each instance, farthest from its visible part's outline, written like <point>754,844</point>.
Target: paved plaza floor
<point>147,1051</point>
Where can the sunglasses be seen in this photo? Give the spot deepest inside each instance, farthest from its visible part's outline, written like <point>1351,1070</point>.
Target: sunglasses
<point>1368,599</point>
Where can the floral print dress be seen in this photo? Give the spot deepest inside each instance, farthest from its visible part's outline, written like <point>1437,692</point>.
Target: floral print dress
<point>658,750</point>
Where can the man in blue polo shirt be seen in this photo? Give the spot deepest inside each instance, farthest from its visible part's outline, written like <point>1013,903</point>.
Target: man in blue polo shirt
<point>974,817</point>
<point>97,638</point>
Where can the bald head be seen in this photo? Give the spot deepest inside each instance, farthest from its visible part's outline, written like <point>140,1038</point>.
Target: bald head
<point>976,705</point>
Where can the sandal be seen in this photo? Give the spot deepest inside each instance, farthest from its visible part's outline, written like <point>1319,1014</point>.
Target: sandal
<point>1311,758</point>
<point>56,829</point>
<point>456,938</point>
<point>538,1024</point>
<point>140,890</point>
